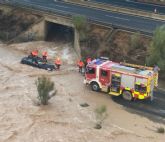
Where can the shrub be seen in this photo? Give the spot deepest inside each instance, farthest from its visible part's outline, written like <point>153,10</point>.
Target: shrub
<point>160,130</point>
<point>157,49</point>
<point>80,24</point>
<point>101,115</point>
<point>44,87</point>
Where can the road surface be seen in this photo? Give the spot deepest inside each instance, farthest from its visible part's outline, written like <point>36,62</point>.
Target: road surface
<point>134,5</point>
<point>154,110</point>
<point>107,18</point>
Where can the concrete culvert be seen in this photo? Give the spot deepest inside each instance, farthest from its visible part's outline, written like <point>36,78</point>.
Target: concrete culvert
<point>57,32</point>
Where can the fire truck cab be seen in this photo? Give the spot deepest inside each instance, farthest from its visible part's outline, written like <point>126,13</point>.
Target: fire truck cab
<point>129,80</point>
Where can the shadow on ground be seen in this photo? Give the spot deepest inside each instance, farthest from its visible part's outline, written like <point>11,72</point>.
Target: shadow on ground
<point>154,110</point>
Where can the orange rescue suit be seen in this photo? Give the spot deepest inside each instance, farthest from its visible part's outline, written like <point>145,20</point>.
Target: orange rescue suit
<point>44,54</point>
<point>80,64</point>
<point>58,61</point>
<point>34,53</point>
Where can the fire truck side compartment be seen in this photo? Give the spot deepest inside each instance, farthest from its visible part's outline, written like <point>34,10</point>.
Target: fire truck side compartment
<point>127,81</point>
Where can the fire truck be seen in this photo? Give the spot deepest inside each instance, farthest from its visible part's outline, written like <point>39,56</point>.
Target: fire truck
<point>128,80</point>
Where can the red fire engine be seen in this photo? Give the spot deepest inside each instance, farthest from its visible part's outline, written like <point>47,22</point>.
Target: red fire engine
<point>129,80</point>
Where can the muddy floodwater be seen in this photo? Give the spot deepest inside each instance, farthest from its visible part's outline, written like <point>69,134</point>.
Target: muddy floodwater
<point>63,120</point>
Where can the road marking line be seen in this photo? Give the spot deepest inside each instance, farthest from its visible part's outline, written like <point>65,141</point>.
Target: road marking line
<point>61,6</point>
<point>136,2</point>
<point>117,17</point>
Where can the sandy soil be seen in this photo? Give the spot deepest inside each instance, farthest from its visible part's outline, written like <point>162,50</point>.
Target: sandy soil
<point>63,120</point>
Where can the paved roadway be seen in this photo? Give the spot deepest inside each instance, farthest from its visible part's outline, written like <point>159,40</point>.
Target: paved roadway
<point>118,20</point>
<point>134,5</point>
<point>154,110</point>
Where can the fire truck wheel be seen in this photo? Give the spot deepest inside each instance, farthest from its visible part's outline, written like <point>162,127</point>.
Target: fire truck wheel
<point>127,96</point>
<point>95,86</point>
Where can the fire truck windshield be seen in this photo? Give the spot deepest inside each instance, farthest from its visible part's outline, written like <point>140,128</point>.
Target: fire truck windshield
<point>90,70</point>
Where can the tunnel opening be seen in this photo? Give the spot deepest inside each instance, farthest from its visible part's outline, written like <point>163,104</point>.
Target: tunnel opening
<point>58,33</point>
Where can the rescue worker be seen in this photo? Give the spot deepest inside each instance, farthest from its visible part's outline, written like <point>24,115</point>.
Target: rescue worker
<point>34,53</point>
<point>88,60</point>
<point>44,56</point>
<point>156,68</point>
<point>80,64</point>
<point>58,62</point>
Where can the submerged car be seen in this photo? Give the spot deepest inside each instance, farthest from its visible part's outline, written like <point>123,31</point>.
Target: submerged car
<point>38,62</point>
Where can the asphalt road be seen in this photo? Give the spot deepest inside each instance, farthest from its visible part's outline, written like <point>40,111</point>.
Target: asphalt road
<point>108,18</point>
<point>154,110</point>
<point>134,5</point>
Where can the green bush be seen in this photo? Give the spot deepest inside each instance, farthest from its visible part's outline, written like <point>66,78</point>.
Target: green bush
<point>80,24</point>
<point>101,115</point>
<point>44,87</point>
<point>160,130</point>
<point>157,49</point>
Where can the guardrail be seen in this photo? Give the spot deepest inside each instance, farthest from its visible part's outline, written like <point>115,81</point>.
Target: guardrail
<point>69,15</point>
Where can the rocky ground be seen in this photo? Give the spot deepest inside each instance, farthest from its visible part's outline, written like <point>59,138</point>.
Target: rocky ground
<point>63,120</point>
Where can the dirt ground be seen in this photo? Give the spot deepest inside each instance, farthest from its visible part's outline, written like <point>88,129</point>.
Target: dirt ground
<point>14,23</point>
<point>63,120</point>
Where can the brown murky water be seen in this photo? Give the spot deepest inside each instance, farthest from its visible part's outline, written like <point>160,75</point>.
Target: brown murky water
<point>63,120</point>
